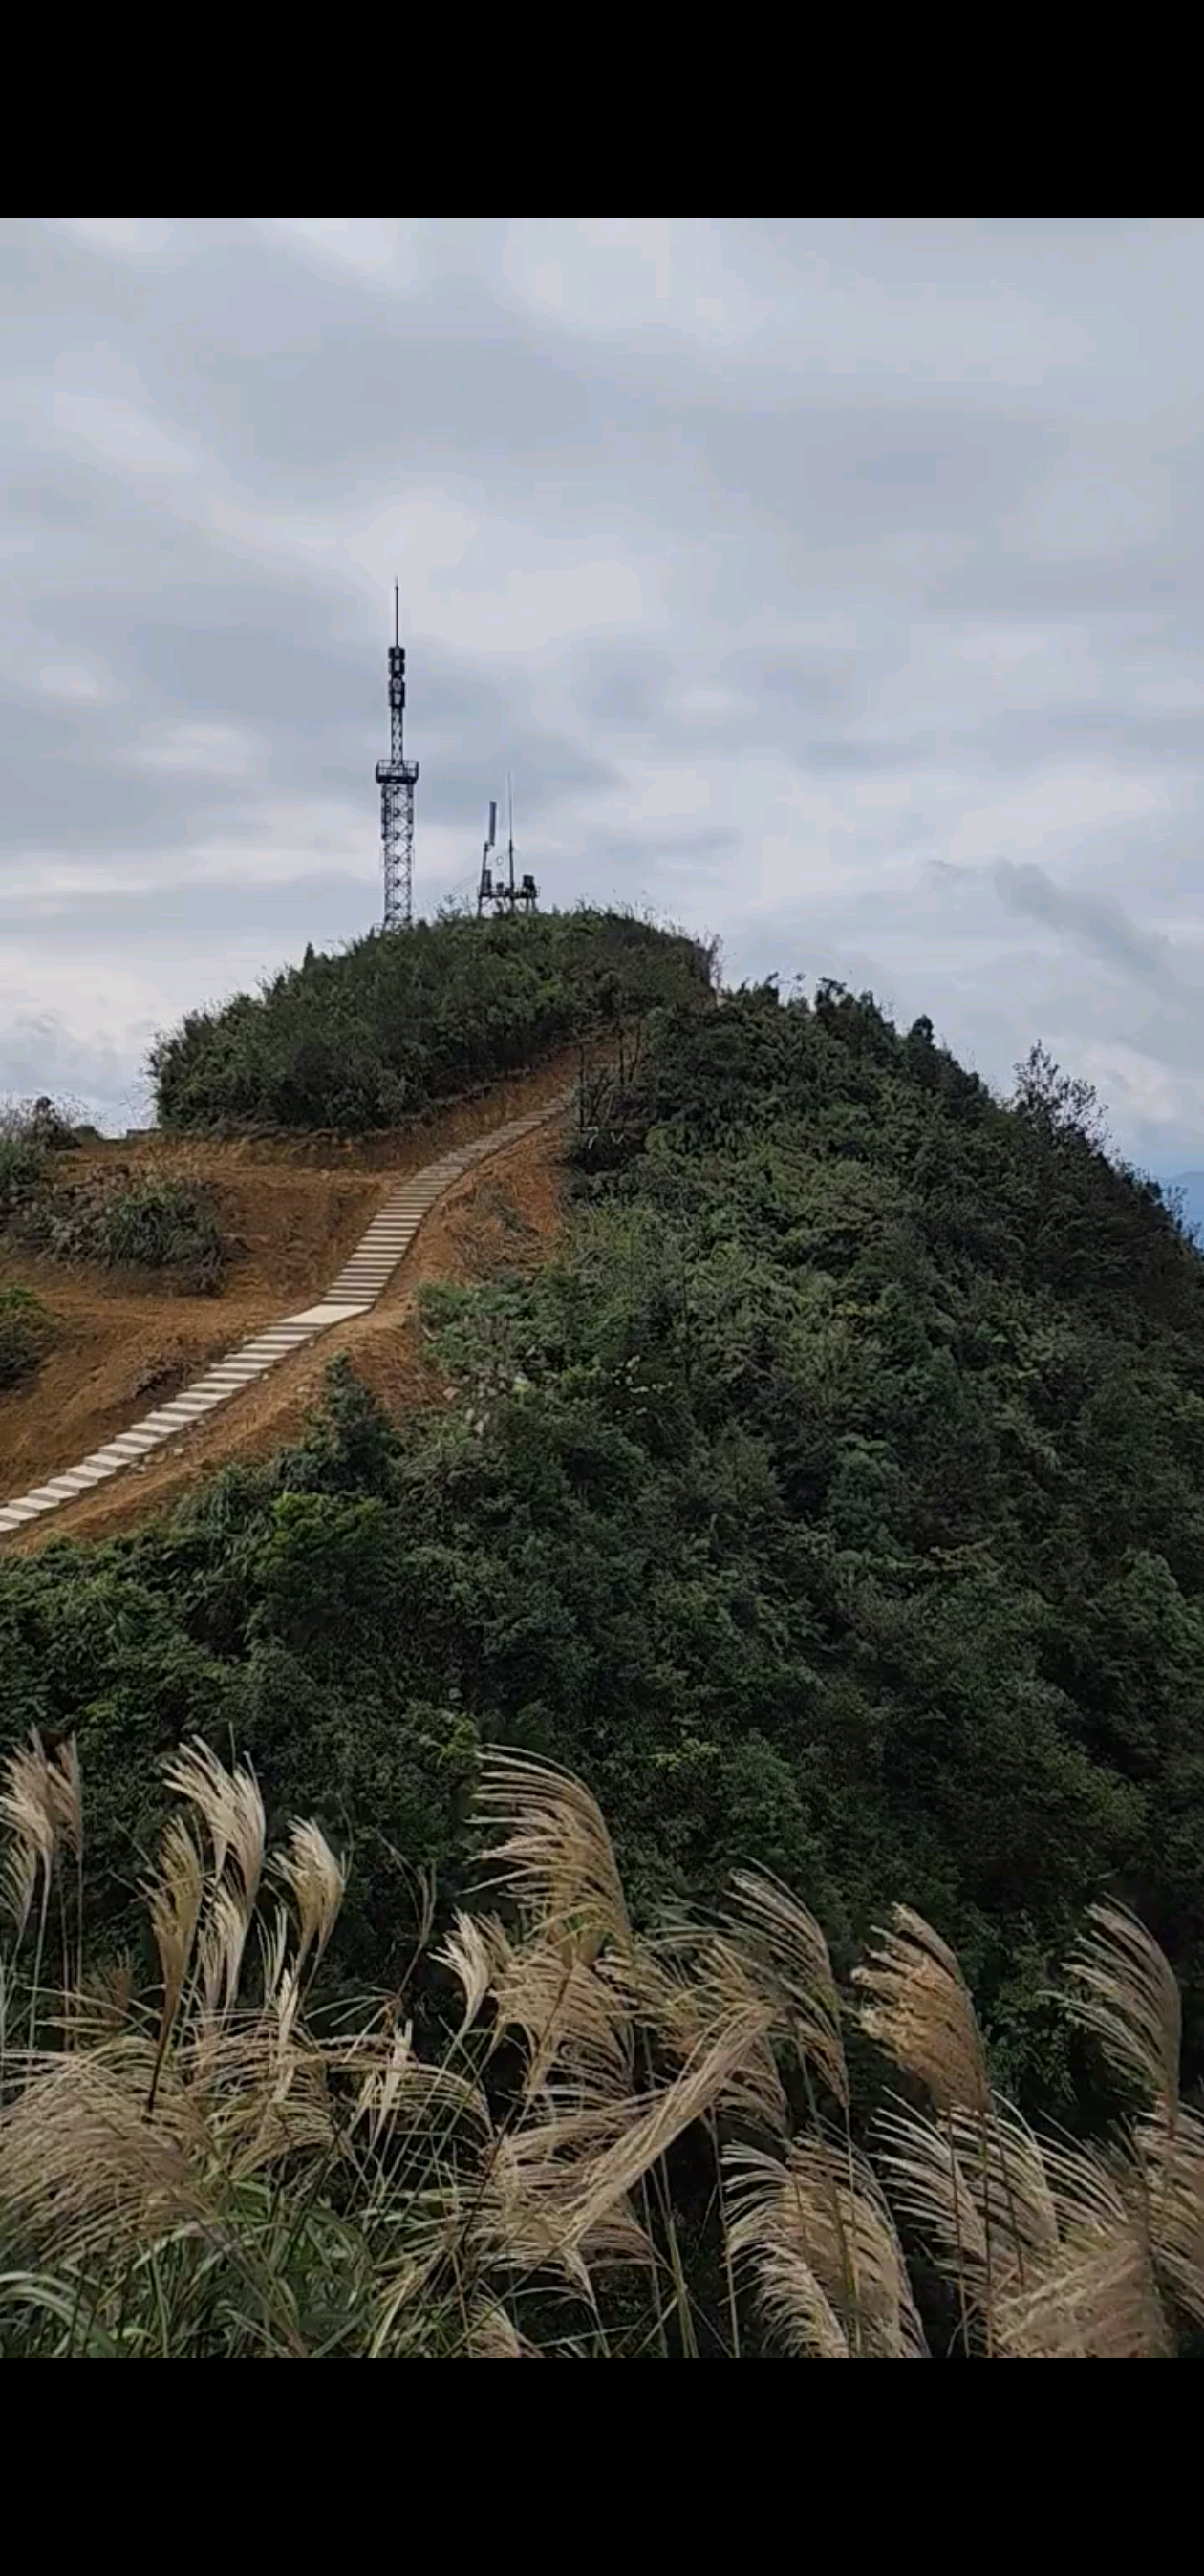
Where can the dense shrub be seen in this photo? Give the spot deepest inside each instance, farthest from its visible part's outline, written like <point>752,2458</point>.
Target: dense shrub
<point>31,1132</point>
<point>123,1219</point>
<point>372,1037</point>
<point>50,1127</point>
<point>26,1332</point>
<point>22,1172</point>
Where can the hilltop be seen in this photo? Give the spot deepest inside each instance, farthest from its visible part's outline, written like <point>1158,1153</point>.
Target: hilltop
<point>372,1037</point>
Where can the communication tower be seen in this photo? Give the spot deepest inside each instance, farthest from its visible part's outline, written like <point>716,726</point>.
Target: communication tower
<point>397,779</point>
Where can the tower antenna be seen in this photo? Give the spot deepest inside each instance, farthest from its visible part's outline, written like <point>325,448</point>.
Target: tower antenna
<point>485,893</point>
<point>503,893</point>
<point>397,779</point>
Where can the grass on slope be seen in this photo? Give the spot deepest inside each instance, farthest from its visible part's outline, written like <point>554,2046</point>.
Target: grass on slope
<point>619,2145</point>
<point>26,1333</point>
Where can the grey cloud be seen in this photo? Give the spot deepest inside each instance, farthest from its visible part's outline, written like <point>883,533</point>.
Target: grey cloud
<point>311,702</point>
<point>822,680</point>
<point>1114,736</point>
<point>872,471</point>
<point>1101,927</point>
<point>329,384</point>
<point>155,918</point>
<point>1161,576</point>
<point>776,701</point>
<point>298,373</point>
<point>913,519</point>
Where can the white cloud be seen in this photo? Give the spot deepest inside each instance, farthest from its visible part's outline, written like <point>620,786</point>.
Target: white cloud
<point>74,683</point>
<point>1141,1092</point>
<point>114,432</point>
<point>126,236</point>
<point>375,247</point>
<point>615,276</point>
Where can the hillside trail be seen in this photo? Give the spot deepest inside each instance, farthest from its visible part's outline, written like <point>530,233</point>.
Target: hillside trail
<point>489,1200</point>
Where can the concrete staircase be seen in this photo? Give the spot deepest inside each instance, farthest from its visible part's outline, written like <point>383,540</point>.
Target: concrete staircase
<point>360,1282</point>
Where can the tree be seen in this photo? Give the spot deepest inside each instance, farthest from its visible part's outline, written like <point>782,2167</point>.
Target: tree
<point>1059,1104</point>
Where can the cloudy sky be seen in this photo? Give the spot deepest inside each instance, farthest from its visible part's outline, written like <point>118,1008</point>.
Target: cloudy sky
<point>833,586</point>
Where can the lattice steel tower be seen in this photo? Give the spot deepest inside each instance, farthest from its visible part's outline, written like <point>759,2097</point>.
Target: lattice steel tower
<point>397,779</point>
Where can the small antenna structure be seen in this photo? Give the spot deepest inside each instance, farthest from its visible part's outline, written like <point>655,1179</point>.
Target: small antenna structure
<point>497,892</point>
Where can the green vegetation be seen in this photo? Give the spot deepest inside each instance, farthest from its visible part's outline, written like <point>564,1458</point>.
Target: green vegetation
<point>376,1035</point>
<point>22,1172</point>
<point>835,1501</point>
<point>123,1218</point>
<point>117,1217</point>
<point>30,1131</point>
<point>26,1333</point>
<point>47,1124</point>
<point>149,1222</point>
<point>626,2144</point>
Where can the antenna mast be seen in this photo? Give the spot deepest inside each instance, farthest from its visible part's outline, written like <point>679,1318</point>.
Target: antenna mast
<point>397,778</point>
<point>485,888</point>
<point>502,892</point>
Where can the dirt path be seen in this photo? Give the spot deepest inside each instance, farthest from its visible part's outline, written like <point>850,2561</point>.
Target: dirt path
<point>504,1218</point>
<point>122,1348</point>
<point>295,1210</point>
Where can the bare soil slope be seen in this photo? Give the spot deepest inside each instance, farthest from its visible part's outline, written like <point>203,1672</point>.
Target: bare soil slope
<point>122,1350</point>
